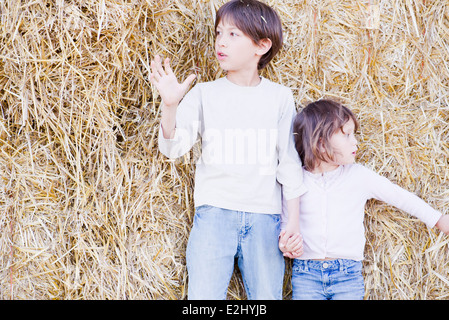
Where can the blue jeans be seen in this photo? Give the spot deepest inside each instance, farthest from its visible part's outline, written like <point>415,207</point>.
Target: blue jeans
<point>219,236</point>
<point>339,279</point>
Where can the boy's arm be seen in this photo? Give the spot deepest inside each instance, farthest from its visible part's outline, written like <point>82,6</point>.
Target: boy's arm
<point>171,93</point>
<point>292,226</point>
<point>290,241</point>
<point>168,121</point>
<point>289,169</point>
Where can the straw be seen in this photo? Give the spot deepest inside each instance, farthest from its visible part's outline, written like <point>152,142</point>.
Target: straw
<point>89,208</point>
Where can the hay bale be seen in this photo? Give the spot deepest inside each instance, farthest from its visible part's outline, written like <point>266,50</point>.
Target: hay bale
<point>89,209</point>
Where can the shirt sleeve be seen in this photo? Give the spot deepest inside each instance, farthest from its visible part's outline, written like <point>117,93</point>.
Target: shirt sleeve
<point>188,121</point>
<point>289,170</point>
<point>388,192</point>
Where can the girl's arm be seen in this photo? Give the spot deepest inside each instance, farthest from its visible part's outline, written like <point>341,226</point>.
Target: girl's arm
<point>386,191</point>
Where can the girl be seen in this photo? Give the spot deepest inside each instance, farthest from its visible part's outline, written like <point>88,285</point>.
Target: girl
<point>332,211</point>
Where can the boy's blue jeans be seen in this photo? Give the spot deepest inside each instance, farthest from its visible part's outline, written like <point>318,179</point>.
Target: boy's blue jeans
<point>218,236</point>
<point>339,279</point>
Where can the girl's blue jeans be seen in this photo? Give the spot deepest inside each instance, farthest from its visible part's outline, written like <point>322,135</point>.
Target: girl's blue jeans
<point>220,236</point>
<point>339,279</point>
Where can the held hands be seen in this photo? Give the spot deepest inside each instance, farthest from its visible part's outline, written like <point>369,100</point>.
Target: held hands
<point>164,79</point>
<point>291,245</point>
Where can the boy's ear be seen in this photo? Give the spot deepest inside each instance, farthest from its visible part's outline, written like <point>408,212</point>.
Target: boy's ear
<point>264,46</point>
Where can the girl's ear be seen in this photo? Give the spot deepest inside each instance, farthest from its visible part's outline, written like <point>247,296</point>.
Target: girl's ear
<point>321,146</point>
<point>264,46</point>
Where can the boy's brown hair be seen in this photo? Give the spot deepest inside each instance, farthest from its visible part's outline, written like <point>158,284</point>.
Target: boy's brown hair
<point>257,20</point>
<point>313,128</point>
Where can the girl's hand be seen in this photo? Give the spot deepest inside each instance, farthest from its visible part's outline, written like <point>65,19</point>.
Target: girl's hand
<point>164,79</point>
<point>443,224</point>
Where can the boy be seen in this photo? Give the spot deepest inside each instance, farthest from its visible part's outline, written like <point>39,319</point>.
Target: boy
<point>244,122</point>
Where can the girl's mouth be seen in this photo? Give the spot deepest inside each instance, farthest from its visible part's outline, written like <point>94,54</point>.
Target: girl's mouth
<point>221,55</point>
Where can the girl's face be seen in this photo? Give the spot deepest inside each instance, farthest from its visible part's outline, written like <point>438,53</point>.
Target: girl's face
<point>344,144</point>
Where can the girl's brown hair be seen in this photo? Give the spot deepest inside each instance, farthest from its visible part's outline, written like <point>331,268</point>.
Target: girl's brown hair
<point>313,128</point>
<point>257,20</point>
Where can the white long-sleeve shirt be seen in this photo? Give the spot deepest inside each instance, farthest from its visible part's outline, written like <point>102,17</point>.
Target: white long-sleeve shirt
<point>247,145</point>
<point>332,210</point>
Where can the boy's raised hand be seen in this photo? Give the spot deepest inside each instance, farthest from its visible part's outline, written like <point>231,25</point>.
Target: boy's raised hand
<point>164,79</point>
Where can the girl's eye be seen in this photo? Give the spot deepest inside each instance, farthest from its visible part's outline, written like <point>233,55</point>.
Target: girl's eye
<point>233,34</point>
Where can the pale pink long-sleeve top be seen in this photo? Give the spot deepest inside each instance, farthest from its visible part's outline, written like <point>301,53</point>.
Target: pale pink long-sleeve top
<point>332,210</point>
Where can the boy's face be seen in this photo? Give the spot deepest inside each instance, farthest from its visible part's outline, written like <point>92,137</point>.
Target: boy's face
<point>235,51</point>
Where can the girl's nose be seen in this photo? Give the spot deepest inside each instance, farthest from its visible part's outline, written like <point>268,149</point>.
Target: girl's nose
<point>221,43</point>
<point>354,139</point>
